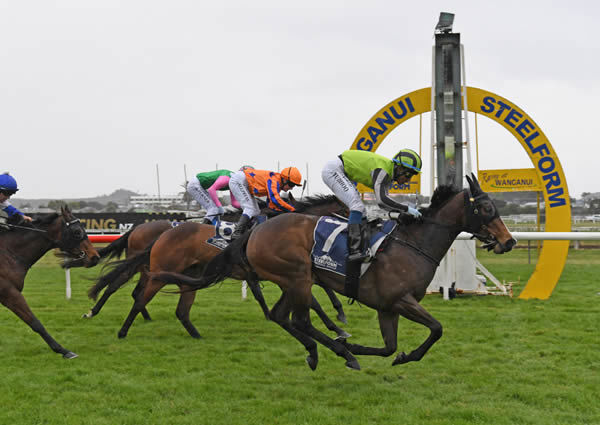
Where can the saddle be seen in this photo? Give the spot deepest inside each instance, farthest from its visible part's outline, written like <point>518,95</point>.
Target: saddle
<point>224,230</point>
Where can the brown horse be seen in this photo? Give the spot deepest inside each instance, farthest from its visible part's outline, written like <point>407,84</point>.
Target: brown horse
<point>279,250</point>
<point>134,242</point>
<point>141,237</point>
<point>184,249</point>
<point>21,247</point>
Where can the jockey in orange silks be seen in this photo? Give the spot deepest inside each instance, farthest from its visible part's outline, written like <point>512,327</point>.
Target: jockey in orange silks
<point>246,184</point>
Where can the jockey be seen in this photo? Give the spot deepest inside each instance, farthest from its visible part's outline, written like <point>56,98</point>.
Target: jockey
<point>204,188</point>
<point>376,172</point>
<point>246,184</point>
<point>8,187</point>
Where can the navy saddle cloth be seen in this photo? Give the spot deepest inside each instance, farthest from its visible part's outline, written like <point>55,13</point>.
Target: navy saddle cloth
<point>331,247</point>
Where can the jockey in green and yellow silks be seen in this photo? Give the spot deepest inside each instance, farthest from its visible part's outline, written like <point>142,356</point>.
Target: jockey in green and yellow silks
<point>376,172</point>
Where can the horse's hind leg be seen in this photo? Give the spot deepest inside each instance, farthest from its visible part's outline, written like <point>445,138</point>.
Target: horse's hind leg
<point>280,313</point>
<point>301,321</point>
<point>336,304</point>
<point>341,334</point>
<point>150,289</point>
<point>139,288</point>
<point>258,295</point>
<point>186,300</point>
<point>15,302</point>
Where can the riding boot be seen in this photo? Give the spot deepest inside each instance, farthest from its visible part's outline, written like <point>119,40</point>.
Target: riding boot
<point>356,243</point>
<point>240,227</point>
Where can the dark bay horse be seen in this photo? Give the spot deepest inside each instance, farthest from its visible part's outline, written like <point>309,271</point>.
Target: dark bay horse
<point>21,247</point>
<point>184,249</point>
<point>279,251</point>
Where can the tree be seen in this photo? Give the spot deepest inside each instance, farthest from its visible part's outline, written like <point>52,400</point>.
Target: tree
<point>111,207</point>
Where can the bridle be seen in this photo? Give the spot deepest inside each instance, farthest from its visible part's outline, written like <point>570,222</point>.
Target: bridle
<point>475,220</point>
<point>475,217</point>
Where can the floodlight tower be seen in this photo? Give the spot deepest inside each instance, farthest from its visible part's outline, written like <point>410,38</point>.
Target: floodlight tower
<point>448,68</point>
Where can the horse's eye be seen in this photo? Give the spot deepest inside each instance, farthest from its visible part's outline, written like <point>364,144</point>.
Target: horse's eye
<point>488,209</point>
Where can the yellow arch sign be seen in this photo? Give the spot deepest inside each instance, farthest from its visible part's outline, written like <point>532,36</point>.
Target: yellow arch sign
<point>546,163</point>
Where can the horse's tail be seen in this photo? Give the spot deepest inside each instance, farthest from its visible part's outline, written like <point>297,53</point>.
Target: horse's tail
<point>116,248</point>
<point>216,270</point>
<point>120,273</point>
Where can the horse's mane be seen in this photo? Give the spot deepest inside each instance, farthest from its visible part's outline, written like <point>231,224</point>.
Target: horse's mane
<point>45,219</point>
<point>441,195</point>
<point>314,201</point>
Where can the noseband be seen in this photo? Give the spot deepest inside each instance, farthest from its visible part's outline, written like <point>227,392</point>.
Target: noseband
<point>70,239</point>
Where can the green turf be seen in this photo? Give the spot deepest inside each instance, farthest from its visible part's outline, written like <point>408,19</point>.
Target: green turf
<point>500,360</point>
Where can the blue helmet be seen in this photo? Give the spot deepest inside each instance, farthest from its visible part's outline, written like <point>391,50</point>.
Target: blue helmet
<point>8,183</point>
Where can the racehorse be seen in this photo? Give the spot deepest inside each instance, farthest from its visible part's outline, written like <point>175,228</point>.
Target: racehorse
<point>136,240</point>
<point>280,251</point>
<point>184,249</point>
<point>21,247</point>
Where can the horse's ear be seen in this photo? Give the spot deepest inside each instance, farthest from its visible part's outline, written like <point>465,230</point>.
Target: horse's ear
<point>291,198</point>
<point>471,186</point>
<point>476,183</point>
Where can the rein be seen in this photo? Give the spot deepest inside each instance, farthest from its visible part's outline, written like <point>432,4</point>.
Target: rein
<point>33,229</point>
<point>417,249</point>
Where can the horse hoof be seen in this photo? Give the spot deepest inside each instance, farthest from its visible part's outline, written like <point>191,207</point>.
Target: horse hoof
<point>353,364</point>
<point>343,336</point>
<point>70,355</point>
<point>196,336</point>
<point>87,315</point>
<point>122,335</point>
<point>342,318</point>
<point>312,362</point>
<point>400,359</point>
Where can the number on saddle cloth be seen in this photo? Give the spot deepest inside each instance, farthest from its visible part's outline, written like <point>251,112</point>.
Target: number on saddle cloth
<point>224,230</point>
<point>330,249</point>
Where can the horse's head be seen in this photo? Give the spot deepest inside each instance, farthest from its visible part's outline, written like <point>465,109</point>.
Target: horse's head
<point>72,239</point>
<point>483,220</point>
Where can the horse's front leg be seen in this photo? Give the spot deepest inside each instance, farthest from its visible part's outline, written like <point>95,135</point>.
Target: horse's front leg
<point>410,308</point>
<point>341,334</point>
<point>388,324</point>
<point>336,304</point>
<point>14,301</point>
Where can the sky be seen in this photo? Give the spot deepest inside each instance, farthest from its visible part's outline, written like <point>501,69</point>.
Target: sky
<point>102,95</point>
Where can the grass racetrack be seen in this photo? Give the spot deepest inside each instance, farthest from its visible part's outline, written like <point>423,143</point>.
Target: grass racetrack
<point>500,361</point>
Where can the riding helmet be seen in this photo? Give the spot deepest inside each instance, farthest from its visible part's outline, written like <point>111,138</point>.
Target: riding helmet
<point>8,183</point>
<point>409,159</point>
<point>292,174</point>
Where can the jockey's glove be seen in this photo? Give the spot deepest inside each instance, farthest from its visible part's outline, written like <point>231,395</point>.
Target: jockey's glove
<point>414,212</point>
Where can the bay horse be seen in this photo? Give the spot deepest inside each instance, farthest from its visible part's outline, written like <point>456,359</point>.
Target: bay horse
<point>184,249</point>
<point>22,246</point>
<point>279,250</point>
<point>135,242</point>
